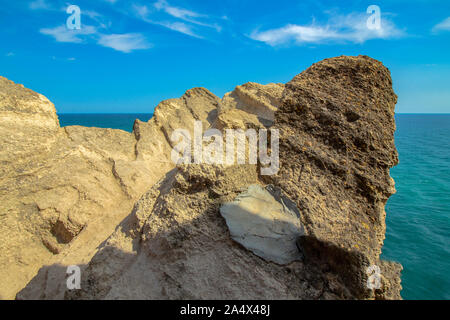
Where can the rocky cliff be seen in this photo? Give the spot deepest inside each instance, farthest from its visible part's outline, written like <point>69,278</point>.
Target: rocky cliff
<point>140,227</point>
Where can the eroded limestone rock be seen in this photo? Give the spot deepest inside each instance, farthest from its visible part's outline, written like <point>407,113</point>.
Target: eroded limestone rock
<point>336,123</point>
<point>70,201</point>
<point>63,191</point>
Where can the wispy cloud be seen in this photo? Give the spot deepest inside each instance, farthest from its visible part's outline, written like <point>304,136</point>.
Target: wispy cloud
<point>97,28</point>
<point>124,42</point>
<point>186,15</point>
<point>177,12</point>
<point>175,18</point>
<point>339,28</point>
<point>98,18</point>
<point>442,26</point>
<point>59,6</point>
<point>144,13</point>
<point>180,27</point>
<point>62,34</point>
<point>10,54</point>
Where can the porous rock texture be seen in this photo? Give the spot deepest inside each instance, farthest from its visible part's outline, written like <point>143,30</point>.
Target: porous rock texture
<point>139,227</point>
<point>337,128</point>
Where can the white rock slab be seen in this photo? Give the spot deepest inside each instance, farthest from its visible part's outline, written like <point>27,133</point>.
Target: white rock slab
<point>265,222</point>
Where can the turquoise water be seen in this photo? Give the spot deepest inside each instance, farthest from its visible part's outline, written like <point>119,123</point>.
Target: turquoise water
<point>418,216</point>
<point>114,121</point>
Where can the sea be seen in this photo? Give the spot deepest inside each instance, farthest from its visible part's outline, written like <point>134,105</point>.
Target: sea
<point>418,215</point>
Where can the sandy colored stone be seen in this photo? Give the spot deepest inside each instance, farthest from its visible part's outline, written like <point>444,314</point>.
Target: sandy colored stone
<point>140,228</point>
<point>176,245</point>
<point>63,191</point>
<point>250,105</point>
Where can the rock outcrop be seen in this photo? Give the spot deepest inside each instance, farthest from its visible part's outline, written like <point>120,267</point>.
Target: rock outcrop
<point>336,148</point>
<point>139,227</point>
<point>63,191</point>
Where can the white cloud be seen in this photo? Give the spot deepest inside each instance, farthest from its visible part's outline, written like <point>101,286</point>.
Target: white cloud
<point>98,18</point>
<point>160,13</point>
<point>176,12</point>
<point>348,28</point>
<point>180,27</point>
<point>124,42</point>
<point>143,12</point>
<point>62,34</point>
<point>442,26</point>
<point>293,32</point>
<point>10,54</point>
<point>186,15</point>
<point>185,21</point>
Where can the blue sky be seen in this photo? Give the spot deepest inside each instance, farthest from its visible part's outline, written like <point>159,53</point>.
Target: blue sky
<point>130,55</point>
